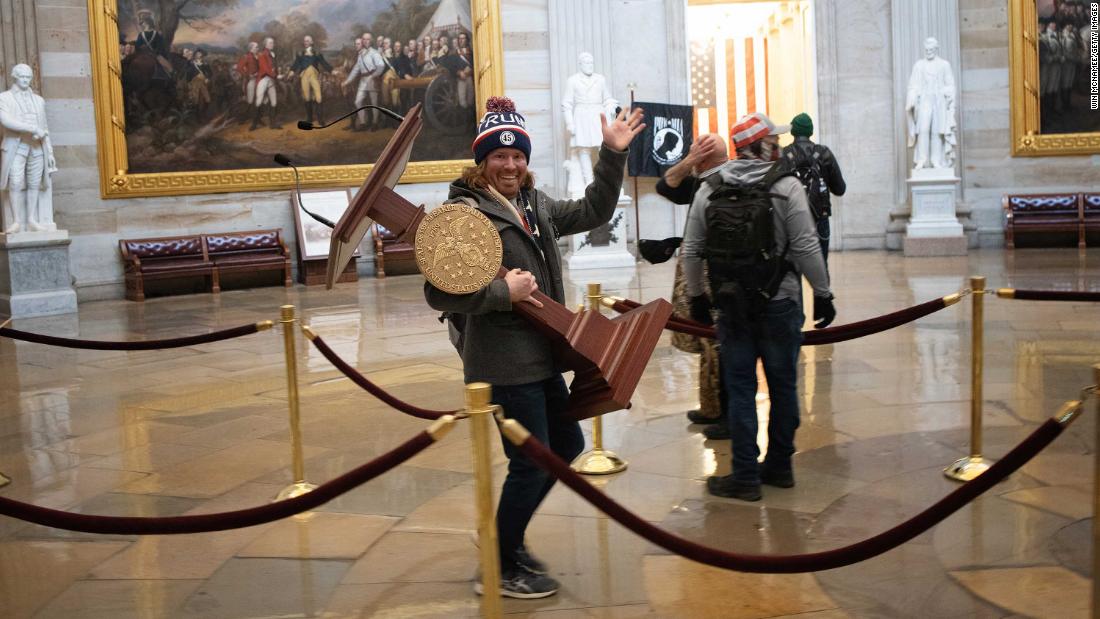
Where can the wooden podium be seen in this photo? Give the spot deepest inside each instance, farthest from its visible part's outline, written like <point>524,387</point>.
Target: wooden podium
<point>315,272</point>
<point>607,355</point>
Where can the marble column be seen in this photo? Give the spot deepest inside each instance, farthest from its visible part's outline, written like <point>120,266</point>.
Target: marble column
<point>18,40</point>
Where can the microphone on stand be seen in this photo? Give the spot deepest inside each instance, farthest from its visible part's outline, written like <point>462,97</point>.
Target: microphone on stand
<point>308,126</point>
<point>283,160</point>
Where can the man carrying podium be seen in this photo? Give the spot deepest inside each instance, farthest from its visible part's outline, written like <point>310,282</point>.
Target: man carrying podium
<point>500,347</point>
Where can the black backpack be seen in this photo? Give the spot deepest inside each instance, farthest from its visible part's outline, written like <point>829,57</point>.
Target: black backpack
<point>744,265</point>
<point>806,167</point>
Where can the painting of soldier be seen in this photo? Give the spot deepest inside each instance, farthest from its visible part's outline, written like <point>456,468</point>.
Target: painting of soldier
<point>222,84</point>
<point>1063,42</point>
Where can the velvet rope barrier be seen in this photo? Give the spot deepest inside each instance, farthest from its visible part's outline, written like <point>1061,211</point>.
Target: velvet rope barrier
<point>204,523</point>
<point>810,562</point>
<point>1049,295</point>
<point>178,342</point>
<point>363,382</point>
<point>816,337</point>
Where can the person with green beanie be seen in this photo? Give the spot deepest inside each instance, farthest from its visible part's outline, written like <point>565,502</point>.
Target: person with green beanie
<point>814,165</point>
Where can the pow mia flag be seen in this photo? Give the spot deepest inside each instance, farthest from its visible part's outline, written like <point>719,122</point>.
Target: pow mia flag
<point>665,140</point>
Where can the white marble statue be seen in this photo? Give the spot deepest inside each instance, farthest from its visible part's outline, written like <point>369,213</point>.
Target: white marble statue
<point>586,97</point>
<point>27,159</point>
<point>930,110</point>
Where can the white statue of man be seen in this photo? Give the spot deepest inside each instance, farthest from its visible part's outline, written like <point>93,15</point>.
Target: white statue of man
<point>26,161</point>
<point>930,110</point>
<point>586,97</point>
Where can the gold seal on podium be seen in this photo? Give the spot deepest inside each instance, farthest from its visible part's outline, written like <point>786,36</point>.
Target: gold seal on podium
<point>458,249</point>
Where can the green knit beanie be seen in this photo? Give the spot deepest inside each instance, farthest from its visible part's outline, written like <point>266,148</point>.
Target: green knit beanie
<point>801,125</point>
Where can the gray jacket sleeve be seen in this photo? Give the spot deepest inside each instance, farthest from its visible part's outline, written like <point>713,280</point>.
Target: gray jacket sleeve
<point>803,246</point>
<point>695,234</point>
<point>598,204</point>
<point>492,298</point>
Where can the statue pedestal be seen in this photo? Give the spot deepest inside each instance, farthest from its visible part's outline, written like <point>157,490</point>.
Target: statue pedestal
<point>933,229</point>
<point>604,247</point>
<point>34,274</point>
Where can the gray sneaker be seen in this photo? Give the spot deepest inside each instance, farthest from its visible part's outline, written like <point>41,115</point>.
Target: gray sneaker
<point>521,583</point>
<point>522,557</point>
<point>531,562</point>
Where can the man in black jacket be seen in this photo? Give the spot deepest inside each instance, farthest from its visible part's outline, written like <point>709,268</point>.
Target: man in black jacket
<point>803,155</point>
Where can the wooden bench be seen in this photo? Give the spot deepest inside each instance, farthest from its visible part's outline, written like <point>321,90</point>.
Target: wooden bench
<point>207,255</point>
<point>164,258</point>
<point>248,252</point>
<point>1044,213</point>
<point>1090,208</point>
<point>392,255</point>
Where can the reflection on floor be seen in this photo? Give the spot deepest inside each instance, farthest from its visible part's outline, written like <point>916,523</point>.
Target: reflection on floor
<point>205,429</point>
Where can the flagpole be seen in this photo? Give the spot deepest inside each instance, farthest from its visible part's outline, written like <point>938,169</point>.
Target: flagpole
<point>637,217</point>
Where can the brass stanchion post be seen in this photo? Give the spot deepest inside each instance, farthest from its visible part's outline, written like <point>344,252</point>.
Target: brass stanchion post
<point>598,461</point>
<point>480,411</point>
<point>300,486</point>
<point>1096,497</point>
<point>965,469</point>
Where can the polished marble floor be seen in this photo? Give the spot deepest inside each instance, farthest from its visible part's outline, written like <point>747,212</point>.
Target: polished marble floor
<point>205,429</point>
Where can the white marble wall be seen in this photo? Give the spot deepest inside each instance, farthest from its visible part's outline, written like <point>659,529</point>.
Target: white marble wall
<point>855,99</point>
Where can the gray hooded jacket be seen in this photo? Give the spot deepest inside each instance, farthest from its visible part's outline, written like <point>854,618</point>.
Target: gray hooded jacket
<point>794,229</point>
<point>499,346</point>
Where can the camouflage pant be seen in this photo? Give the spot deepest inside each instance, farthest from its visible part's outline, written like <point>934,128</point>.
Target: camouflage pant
<point>710,381</point>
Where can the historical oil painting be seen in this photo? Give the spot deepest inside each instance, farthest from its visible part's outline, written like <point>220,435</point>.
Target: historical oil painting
<point>1064,89</point>
<point>222,84</point>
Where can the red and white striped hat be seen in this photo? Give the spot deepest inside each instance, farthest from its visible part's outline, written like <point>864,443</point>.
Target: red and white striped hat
<point>752,127</point>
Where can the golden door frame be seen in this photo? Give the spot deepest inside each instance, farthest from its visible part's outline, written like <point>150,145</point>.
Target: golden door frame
<point>115,181</point>
<point>1023,48</point>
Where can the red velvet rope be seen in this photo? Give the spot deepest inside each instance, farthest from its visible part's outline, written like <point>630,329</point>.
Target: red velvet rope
<point>816,337</point>
<point>178,342</point>
<point>378,392</point>
<point>203,523</point>
<point>1056,295</point>
<point>810,562</point>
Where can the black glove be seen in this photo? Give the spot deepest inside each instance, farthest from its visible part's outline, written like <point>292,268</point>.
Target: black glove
<point>824,312</point>
<point>700,310</point>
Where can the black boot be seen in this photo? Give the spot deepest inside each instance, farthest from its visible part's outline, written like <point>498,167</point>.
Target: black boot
<point>309,112</point>
<point>255,119</point>
<point>319,112</point>
<point>271,121</point>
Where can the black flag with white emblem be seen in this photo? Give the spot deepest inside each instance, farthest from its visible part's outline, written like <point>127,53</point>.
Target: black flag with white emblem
<point>665,140</point>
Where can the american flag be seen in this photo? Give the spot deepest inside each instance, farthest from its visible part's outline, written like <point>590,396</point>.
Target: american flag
<point>729,78</point>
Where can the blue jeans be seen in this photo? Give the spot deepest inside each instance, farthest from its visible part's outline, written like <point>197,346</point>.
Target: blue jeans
<point>775,336</point>
<point>540,407</point>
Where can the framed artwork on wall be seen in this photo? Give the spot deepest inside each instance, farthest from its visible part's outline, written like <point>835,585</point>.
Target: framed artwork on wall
<point>1053,108</point>
<point>197,97</point>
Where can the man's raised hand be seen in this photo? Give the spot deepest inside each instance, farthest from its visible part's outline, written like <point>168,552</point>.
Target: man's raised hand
<point>619,133</point>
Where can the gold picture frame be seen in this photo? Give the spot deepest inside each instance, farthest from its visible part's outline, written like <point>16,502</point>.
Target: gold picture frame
<point>116,181</point>
<point>1024,85</point>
